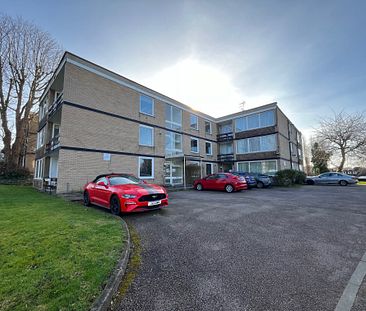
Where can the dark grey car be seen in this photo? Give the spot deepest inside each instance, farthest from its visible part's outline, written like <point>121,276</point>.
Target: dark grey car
<point>331,178</point>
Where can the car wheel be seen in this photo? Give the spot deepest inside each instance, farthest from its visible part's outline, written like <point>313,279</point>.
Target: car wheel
<point>115,206</point>
<point>229,188</point>
<point>86,199</point>
<point>199,187</point>
<point>260,184</point>
<point>310,182</point>
<point>343,183</point>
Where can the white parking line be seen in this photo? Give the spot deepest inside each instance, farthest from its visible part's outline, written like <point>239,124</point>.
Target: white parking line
<point>349,294</point>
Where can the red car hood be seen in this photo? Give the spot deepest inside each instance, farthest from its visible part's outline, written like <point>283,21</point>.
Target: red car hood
<point>141,189</point>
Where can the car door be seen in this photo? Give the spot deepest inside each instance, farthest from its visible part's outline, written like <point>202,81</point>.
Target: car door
<point>101,192</point>
<point>210,182</point>
<point>323,179</point>
<point>221,181</point>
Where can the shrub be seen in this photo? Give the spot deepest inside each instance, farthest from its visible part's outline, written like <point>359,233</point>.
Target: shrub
<point>289,177</point>
<point>13,173</point>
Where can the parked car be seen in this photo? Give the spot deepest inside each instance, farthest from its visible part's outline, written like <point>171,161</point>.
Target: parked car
<point>124,193</point>
<point>263,180</point>
<point>250,179</point>
<point>361,178</point>
<point>221,181</point>
<point>331,178</point>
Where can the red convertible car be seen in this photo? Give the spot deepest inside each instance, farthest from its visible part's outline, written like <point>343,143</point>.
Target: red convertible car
<point>221,181</point>
<point>124,193</point>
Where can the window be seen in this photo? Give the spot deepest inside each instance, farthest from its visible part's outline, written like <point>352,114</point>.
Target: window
<point>40,138</point>
<point>225,128</point>
<point>173,143</point>
<point>293,149</point>
<point>194,122</point>
<point>56,130</point>
<point>38,171</point>
<point>257,144</point>
<point>262,167</point>
<point>146,105</point>
<point>173,117</point>
<point>194,145</point>
<point>226,148</point>
<point>209,168</point>
<point>208,129</point>
<point>208,146</point>
<point>254,121</point>
<point>102,180</point>
<point>146,136</point>
<point>146,167</point>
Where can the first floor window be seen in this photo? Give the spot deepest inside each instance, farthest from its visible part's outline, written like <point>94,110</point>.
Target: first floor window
<point>146,105</point>
<point>146,136</point>
<point>173,143</point>
<point>208,148</point>
<point>40,137</point>
<point>194,145</point>
<point>146,167</point>
<point>209,169</point>
<point>257,144</point>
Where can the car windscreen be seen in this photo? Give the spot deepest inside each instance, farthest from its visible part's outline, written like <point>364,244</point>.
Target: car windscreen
<point>123,180</point>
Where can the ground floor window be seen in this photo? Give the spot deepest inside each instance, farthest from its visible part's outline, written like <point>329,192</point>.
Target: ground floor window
<point>209,168</point>
<point>38,171</point>
<point>265,167</point>
<point>146,167</point>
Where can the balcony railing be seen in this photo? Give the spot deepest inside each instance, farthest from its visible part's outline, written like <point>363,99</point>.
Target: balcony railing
<point>225,157</point>
<point>225,137</point>
<point>53,144</point>
<point>55,104</point>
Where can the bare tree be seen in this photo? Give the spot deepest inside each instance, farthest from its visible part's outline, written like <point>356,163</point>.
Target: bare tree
<point>343,135</point>
<point>28,58</point>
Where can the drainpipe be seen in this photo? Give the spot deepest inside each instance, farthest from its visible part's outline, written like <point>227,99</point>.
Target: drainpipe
<point>184,172</point>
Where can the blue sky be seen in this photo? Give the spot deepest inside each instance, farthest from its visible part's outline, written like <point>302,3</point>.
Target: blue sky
<point>309,56</point>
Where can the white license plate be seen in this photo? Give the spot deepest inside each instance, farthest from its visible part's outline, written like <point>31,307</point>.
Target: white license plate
<point>152,203</point>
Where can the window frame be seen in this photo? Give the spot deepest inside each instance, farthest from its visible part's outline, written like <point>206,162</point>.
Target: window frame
<point>211,165</point>
<point>260,144</point>
<point>198,144</point>
<point>152,135</point>
<point>172,124</point>
<point>152,167</point>
<point>152,108</point>
<point>245,119</point>
<point>210,123</point>
<point>257,161</point>
<point>190,122</point>
<point>208,142</point>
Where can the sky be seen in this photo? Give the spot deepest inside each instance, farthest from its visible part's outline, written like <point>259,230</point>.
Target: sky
<point>308,56</point>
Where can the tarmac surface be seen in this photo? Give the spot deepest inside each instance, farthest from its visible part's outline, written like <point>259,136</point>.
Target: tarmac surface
<point>260,249</point>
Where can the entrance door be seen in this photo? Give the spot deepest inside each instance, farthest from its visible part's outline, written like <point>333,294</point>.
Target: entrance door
<point>173,172</point>
<point>193,172</point>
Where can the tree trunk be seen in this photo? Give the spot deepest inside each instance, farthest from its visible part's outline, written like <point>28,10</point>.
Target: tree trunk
<point>343,154</point>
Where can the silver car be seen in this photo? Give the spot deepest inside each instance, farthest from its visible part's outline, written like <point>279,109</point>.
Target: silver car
<point>331,178</point>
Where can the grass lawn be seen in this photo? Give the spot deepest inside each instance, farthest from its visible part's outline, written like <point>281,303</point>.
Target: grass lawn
<point>54,255</point>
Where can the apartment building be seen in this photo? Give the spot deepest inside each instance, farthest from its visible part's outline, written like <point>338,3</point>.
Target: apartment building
<point>93,121</point>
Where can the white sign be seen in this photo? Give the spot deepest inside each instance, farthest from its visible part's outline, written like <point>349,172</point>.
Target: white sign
<point>106,156</point>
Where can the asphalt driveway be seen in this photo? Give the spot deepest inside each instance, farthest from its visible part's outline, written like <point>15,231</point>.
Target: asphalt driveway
<point>263,249</point>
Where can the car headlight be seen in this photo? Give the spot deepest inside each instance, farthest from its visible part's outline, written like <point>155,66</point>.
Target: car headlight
<point>128,196</point>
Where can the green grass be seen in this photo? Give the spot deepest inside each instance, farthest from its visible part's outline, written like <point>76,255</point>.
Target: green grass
<point>54,255</point>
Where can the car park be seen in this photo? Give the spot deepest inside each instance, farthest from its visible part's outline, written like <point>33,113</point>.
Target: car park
<point>256,179</point>
<point>124,193</point>
<point>221,181</point>
<point>331,178</point>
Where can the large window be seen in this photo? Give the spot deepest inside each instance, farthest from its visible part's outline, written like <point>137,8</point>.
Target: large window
<point>38,170</point>
<point>226,148</point>
<point>208,147</point>
<point>146,105</point>
<point>173,144</point>
<point>225,128</point>
<point>194,122</point>
<point>194,145</point>
<point>146,136</point>
<point>257,144</point>
<point>41,137</point>
<point>208,127</point>
<point>173,117</point>
<point>254,121</point>
<point>146,167</point>
<point>263,167</point>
